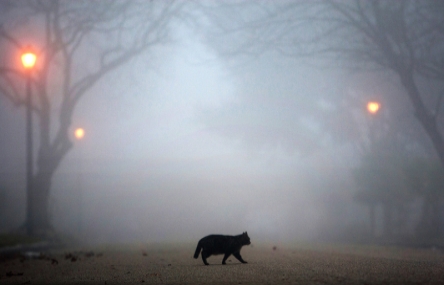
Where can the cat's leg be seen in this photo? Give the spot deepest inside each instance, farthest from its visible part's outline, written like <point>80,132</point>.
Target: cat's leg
<point>225,257</point>
<point>239,257</point>
<point>204,255</point>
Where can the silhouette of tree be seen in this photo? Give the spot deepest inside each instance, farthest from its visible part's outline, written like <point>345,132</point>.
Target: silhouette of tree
<point>77,43</point>
<point>405,38</point>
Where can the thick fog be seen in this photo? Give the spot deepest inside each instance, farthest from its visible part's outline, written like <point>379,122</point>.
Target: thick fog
<point>183,142</point>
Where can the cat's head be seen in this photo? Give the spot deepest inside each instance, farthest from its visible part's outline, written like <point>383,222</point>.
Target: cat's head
<point>245,239</point>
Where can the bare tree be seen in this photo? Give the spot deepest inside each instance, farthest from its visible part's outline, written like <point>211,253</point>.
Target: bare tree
<point>78,43</point>
<point>405,38</point>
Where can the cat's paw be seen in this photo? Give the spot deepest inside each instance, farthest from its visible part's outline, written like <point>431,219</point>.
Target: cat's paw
<point>244,262</point>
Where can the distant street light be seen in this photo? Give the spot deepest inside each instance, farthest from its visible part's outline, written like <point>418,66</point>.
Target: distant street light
<point>373,107</point>
<point>28,61</point>
<point>79,134</point>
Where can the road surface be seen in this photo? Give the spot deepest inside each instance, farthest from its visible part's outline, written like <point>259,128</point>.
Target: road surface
<point>173,264</point>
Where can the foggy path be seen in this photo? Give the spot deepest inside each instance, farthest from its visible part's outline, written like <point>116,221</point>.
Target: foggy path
<point>173,264</point>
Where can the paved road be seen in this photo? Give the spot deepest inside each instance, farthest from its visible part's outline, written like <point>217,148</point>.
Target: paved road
<point>173,264</point>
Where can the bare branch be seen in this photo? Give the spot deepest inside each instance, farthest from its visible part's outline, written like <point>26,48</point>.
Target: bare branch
<point>5,35</point>
<point>11,92</point>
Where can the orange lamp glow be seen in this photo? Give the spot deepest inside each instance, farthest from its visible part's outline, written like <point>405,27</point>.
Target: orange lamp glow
<point>28,60</point>
<point>79,133</point>
<point>373,107</point>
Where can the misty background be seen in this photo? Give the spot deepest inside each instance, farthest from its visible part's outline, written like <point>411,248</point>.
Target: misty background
<point>186,141</point>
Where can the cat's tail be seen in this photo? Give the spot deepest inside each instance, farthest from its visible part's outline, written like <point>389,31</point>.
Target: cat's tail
<point>198,249</point>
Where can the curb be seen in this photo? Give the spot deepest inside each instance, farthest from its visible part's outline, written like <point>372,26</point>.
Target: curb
<point>23,248</point>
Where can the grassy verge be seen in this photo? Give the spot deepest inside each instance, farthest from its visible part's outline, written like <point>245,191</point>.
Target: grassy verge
<point>7,240</point>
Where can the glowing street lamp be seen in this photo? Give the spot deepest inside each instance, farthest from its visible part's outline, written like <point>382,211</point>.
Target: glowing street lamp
<point>79,133</point>
<point>28,61</point>
<point>373,107</point>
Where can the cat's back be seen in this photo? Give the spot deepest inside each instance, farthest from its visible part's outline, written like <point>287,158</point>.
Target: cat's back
<point>215,240</point>
<point>214,236</point>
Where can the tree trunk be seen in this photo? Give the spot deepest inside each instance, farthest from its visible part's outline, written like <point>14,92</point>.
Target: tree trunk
<point>387,226</point>
<point>428,227</point>
<point>47,162</point>
<point>372,220</point>
<point>39,210</point>
<point>431,216</point>
<point>436,218</point>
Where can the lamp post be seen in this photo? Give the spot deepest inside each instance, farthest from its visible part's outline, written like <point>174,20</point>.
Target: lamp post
<point>79,134</point>
<point>28,61</point>
<point>373,107</point>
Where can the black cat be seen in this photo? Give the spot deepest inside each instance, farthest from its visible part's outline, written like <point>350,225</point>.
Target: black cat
<point>220,244</point>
